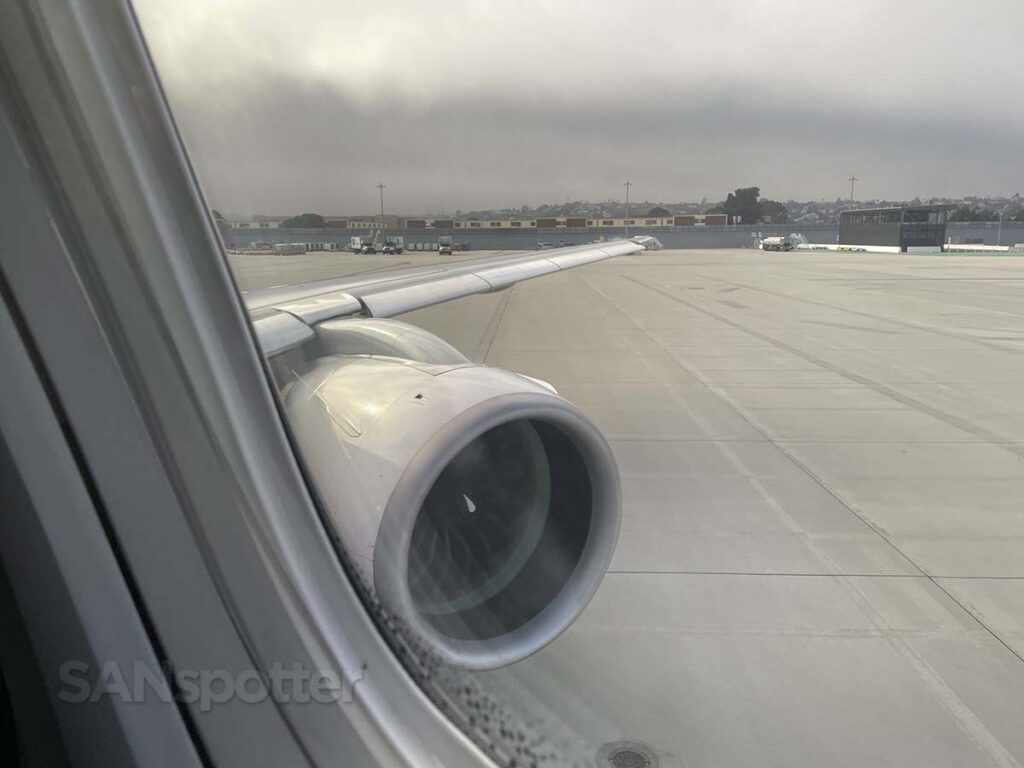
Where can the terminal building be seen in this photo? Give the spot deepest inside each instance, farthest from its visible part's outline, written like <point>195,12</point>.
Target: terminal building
<point>553,222</point>
<point>572,222</point>
<point>898,229</point>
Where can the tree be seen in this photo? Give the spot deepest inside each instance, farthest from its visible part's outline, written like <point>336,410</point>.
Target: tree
<point>742,206</point>
<point>658,212</point>
<point>745,206</point>
<point>969,213</point>
<point>304,221</point>
<point>774,211</point>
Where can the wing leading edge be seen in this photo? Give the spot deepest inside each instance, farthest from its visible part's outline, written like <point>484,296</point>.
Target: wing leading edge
<point>284,318</point>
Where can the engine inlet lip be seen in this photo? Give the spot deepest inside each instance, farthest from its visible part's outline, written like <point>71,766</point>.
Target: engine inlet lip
<point>395,534</point>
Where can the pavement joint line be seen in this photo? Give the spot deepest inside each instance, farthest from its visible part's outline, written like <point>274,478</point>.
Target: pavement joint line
<point>895,277</point>
<point>958,710</point>
<point>883,389</point>
<point>627,438</point>
<point>942,688</point>
<point>810,575</point>
<point>835,634</point>
<point>993,439</point>
<point>884,318</point>
<point>755,482</point>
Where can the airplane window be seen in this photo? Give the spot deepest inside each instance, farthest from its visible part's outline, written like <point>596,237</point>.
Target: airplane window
<point>664,401</point>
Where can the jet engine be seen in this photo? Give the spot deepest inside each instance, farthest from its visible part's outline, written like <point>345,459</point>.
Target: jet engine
<point>481,507</point>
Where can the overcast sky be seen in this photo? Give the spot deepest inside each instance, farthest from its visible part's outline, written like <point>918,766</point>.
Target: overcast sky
<point>305,106</point>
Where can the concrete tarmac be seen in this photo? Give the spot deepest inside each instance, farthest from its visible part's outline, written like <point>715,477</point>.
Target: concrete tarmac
<point>822,551</point>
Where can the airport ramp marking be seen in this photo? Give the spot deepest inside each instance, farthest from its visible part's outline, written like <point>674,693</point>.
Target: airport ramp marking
<point>912,324</point>
<point>850,327</point>
<point>1001,441</point>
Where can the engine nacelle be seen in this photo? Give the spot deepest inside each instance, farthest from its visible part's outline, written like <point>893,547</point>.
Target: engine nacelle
<point>482,507</point>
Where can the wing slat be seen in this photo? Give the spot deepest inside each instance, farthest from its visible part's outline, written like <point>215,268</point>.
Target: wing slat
<point>280,332</point>
<point>394,301</point>
<point>318,308</point>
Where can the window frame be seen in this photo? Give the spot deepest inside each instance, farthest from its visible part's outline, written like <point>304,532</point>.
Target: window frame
<point>141,253</point>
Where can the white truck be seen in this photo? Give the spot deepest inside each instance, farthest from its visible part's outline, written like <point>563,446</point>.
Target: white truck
<point>778,243</point>
<point>362,245</point>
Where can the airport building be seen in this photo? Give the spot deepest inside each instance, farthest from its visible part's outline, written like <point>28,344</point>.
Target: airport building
<point>555,222</point>
<point>258,222</point>
<point>898,229</point>
<point>572,222</point>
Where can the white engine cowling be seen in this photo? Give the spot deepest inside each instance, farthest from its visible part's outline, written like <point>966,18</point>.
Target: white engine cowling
<point>482,507</point>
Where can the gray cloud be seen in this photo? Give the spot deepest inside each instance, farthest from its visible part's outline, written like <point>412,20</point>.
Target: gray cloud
<point>471,104</point>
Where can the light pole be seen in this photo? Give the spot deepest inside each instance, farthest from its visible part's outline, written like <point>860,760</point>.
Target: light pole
<point>381,187</point>
<point>853,180</point>
<point>627,185</point>
<point>999,232</point>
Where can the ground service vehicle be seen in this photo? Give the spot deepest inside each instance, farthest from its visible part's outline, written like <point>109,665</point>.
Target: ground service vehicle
<point>779,243</point>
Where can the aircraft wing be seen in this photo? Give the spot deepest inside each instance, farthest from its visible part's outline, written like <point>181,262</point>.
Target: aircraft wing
<point>285,317</point>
